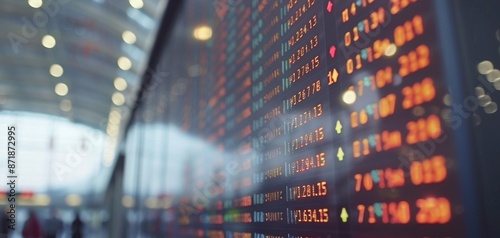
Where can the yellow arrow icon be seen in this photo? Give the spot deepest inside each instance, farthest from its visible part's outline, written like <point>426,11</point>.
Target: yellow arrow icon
<point>338,127</point>
<point>340,154</point>
<point>344,215</point>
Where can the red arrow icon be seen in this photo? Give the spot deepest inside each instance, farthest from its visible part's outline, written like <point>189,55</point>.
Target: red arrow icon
<point>329,7</point>
<point>333,50</point>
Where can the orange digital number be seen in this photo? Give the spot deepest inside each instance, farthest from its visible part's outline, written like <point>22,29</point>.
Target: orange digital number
<point>391,140</point>
<point>418,93</point>
<point>361,213</point>
<point>349,66</point>
<point>431,170</point>
<point>355,33</point>
<point>358,61</point>
<point>366,180</point>
<point>361,86</point>
<point>347,39</point>
<point>379,47</point>
<point>356,148</point>
<point>384,77</point>
<point>433,211</point>
<point>407,32</point>
<point>395,177</point>
<point>387,105</point>
<point>399,212</point>
<point>371,215</point>
<point>353,9</point>
<point>363,118</point>
<point>377,18</point>
<point>423,129</point>
<point>398,5</point>
<point>414,60</point>
<point>345,15</point>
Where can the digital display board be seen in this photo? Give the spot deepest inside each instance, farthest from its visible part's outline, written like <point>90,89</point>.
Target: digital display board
<point>333,118</point>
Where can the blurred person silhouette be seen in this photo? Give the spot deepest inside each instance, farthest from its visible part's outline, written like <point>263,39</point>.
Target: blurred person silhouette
<point>53,225</point>
<point>32,228</point>
<point>77,227</point>
<point>5,222</point>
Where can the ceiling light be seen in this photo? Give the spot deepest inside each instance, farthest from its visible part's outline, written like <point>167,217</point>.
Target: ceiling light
<point>491,108</point>
<point>118,99</point>
<point>115,114</point>
<point>115,117</point>
<point>349,97</point>
<point>73,200</point>
<point>48,41</point>
<point>479,91</point>
<point>35,3</point>
<point>202,33</point>
<point>114,120</point>
<point>120,84</point>
<point>493,75</point>
<point>42,199</point>
<point>113,127</point>
<point>56,70</point>
<point>124,63</point>
<point>127,201</point>
<point>151,203</point>
<point>485,67</point>
<point>129,37</point>
<point>137,4</point>
<point>65,105</point>
<point>61,89</point>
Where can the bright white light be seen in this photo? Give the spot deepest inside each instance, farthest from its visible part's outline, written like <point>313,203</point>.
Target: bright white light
<point>73,200</point>
<point>42,200</point>
<point>390,50</point>
<point>115,117</point>
<point>124,63</point>
<point>349,97</point>
<point>137,4</point>
<point>151,203</point>
<point>35,3</point>
<point>112,131</point>
<point>109,153</point>
<point>118,99</point>
<point>127,201</point>
<point>120,84</point>
<point>48,41</point>
<point>65,105</point>
<point>45,169</point>
<point>115,114</point>
<point>493,75</point>
<point>56,70</point>
<point>202,33</point>
<point>485,67</point>
<point>129,37</point>
<point>61,89</point>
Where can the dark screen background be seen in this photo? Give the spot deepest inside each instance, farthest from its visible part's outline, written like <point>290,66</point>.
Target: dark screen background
<point>308,118</point>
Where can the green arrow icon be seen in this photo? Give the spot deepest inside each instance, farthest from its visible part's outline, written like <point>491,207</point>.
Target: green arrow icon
<point>340,154</point>
<point>344,215</point>
<point>338,127</point>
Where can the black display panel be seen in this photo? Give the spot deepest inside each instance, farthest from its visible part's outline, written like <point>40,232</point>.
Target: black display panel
<point>329,119</point>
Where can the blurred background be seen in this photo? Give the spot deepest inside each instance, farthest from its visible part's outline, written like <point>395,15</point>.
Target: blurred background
<point>70,73</point>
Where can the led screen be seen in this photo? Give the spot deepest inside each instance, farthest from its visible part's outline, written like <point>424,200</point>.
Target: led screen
<point>312,118</point>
